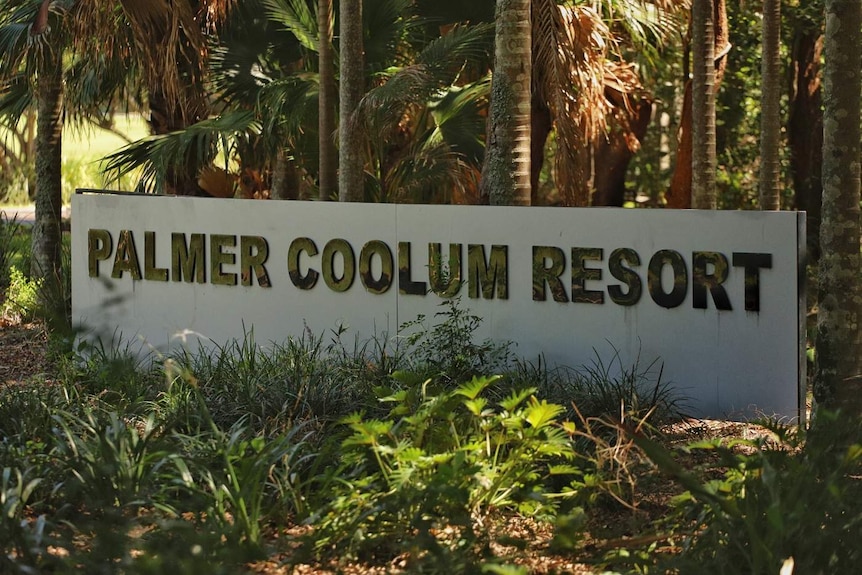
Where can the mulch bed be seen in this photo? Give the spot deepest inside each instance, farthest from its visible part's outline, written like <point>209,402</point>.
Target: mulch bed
<point>23,352</point>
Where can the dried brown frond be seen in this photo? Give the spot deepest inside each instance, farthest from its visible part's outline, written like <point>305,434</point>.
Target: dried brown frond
<point>672,6</point>
<point>570,44</point>
<point>166,40</point>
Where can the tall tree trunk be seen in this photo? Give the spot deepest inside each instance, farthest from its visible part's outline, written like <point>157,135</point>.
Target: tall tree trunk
<point>770,108</point>
<point>838,373</point>
<point>328,167</point>
<point>285,178</point>
<point>541,124</point>
<point>805,130</point>
<point>506,171</point>
<point>351,172</point>
<point>29,151</point>
<point>613,153</point>
<point>679,195</point>
<point>45,261</point>
<point>703,155</point>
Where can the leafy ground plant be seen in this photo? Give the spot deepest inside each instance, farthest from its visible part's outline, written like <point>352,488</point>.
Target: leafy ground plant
<point>22,297</point>
<point>788,503</point>
<point>424,481</point>
<point>447,350</point>
<point>9,229</point>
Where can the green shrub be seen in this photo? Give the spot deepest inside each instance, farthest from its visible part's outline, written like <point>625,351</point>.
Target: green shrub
<point>8,247</point>
<point>447,352</point>
<point>242,480</point>
<point>24,541</point>
<point>298,380</point>
<point>110,460</point>
<point>424,481</point>
<point>795,498</point>
<point>22,296</point>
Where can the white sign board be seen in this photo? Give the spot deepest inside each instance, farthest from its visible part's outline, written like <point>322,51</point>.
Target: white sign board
<point>717,297</point>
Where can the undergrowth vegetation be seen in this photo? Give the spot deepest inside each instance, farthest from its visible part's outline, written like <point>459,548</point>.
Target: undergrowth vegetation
<point>417,453</point>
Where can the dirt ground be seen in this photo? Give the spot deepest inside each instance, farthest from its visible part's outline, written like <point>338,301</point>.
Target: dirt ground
<point>23,352</point>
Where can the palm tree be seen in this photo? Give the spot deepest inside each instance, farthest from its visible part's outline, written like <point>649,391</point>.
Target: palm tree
<point>770,108</point>
<point>328,171</point>
<point>351,173</point>
<point>682,189</point>
<point>838,373</point>
<point>585,91</point>
<point>164,46</point>
<point>805,117</point>
<point>569,62</point>
<point>506,173</point>
<point>33,39</point>
<point>703,158</point>
<point>424,121</point>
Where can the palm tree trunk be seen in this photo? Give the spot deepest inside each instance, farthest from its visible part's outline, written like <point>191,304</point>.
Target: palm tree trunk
<point>838,373</point>
<point>328,167</point>
<point>805,130</point>
<point>613,152</point>
<point>285,178</point>
<point>506,171</point>
<point>45,251</point>
<point>680,193</point>
<point>770,108</point>
<point>703,155</point>
<point>351,173</point>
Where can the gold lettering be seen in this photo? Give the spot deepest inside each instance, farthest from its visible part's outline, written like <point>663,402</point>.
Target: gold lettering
<point>151,272</point>
<point>126,258</point>
<point>254,251</point>
<point>297,246</point>
<point>219,258</point>
<point>188,261</point>
<point>330,250</point>
<point>485,275</point>
<point>99,245</point>
<point>445,280</point>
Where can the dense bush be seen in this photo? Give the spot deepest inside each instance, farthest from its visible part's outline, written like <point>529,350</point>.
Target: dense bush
<point>406,452</point>
<point>317,450</point>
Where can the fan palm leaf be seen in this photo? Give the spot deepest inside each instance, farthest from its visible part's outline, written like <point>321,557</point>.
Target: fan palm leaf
<point>199,144</point>
<point>413,110</point>
<point>164,42</point>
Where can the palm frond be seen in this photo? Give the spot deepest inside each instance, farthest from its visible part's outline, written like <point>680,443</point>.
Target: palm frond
<point>459,121</point>
<point>645,26</point>
<point>16,96</point>
<point>390,24</point>
<point>17,42</point>
<point>238,74</point>
<point>97,85</point>
<point>297,17</point>
<point>196,145</point>
<point>569,53</point>
<point>170,65</point>
<point>460,45</point>
<point>436,68</point>
<point>429,174</point>
<point>286,105</point>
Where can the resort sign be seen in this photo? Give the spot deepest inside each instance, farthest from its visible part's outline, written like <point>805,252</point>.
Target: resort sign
<point>715,296</point>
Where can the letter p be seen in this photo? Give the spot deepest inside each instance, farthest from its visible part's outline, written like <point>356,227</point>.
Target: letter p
<point>99,247</point>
